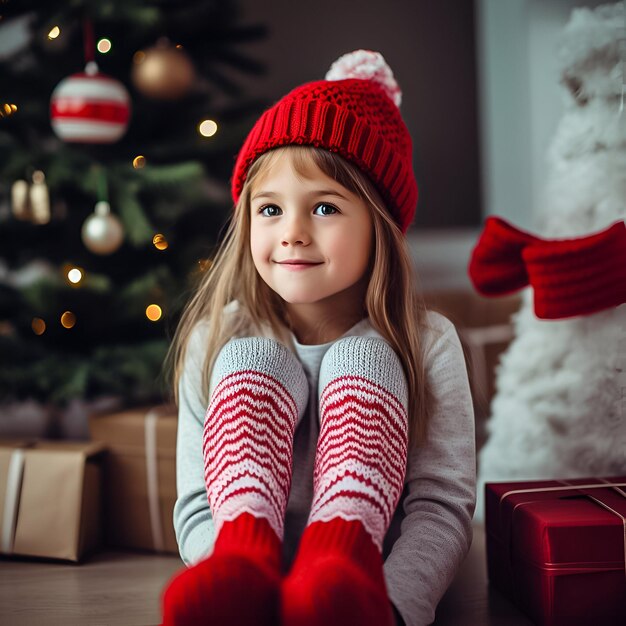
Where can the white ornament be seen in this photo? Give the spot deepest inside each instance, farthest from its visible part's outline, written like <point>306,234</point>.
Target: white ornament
<point>102,232</point>
<point>366,65</point>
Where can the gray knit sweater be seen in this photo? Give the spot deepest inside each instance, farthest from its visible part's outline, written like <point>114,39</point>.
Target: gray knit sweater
<point>431,529</point>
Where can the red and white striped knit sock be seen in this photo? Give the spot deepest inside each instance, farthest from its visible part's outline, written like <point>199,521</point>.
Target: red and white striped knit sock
<point>360,465</point>
<point>260,393</point>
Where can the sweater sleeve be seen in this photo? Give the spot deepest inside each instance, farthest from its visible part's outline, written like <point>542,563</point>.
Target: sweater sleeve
<point>440,490</point>
<point>193,523</point>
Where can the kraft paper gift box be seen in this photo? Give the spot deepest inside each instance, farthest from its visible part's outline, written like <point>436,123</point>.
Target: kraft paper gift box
<point>139,477</point>
<point>50,498</point>
<point>557,548</point>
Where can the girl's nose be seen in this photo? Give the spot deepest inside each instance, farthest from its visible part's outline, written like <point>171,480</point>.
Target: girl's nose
<point>296,231</point>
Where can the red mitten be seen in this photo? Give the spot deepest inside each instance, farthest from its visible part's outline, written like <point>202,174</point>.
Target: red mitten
<point>360,464</point>
<point>238,585</point>
<point>260,393</point>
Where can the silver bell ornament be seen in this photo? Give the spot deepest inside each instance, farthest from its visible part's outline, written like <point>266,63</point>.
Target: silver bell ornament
<point>31,202</point>
<point>102,232</point>
<point>39,199</point>
<point>19,200</point>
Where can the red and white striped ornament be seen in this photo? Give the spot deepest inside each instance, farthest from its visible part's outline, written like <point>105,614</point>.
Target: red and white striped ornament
<point>90,107</point>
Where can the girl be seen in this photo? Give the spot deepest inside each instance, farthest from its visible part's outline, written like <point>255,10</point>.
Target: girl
<point>331,480</point>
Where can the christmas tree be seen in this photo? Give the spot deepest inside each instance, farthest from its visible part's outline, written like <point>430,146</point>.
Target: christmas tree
<point>111,210</point>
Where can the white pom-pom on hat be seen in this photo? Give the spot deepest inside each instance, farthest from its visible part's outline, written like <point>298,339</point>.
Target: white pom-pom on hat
<point>367,65</point>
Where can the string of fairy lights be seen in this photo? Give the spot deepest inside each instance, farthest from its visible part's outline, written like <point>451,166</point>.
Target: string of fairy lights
<point>147,67</point>
<point>74,277</point>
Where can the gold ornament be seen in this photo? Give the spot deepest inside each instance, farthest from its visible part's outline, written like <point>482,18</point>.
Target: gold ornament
<point>163,72</point>
<point>102,232</point>
<point>7,109</point>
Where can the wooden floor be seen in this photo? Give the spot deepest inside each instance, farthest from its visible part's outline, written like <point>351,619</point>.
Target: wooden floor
<point>124,588</point>
<point>470,601</point>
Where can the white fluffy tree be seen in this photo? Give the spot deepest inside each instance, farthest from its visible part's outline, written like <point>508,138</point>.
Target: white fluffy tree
<point>559,409</point>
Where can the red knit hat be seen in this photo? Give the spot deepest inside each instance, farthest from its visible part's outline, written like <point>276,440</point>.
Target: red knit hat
<point>354,112</point>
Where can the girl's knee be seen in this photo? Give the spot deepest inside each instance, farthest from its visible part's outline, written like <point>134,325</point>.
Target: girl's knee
<point>371,358</point>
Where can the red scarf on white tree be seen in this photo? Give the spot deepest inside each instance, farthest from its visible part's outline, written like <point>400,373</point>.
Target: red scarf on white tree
<point>569,277</point>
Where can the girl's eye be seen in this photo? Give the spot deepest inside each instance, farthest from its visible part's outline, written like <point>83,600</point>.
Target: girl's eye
<point>322,204</point>
<point>267,206</point>
<point>329,206</point>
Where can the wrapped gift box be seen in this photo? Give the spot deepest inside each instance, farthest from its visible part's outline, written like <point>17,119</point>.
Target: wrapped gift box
<point>50,498</point>
<point>556,548</point>
<point>139,477</point>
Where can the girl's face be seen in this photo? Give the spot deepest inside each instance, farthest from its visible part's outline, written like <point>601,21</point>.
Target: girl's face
<point>315,219</point>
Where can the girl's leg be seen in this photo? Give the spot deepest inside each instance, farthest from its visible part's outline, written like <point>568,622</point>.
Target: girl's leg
<point>360,466</point>
<point>260,393</point>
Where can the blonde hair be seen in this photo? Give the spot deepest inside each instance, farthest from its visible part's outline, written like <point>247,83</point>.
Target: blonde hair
<point>393,300</point>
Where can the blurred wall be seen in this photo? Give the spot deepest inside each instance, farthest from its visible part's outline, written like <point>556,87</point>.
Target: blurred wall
<point>430,47</point>
<point>481,99</point>
<point>521,99</point>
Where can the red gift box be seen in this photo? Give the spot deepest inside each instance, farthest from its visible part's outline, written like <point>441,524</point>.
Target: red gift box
<point>557,548</point>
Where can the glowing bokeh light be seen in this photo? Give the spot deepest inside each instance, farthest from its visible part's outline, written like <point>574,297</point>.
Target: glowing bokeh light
<point>75,275</point>
<point>160,242</point>
<point>38,326</point>
<point>207,128</point>
<point>7,109</point>
<point>104,45</point>
<point>68,319</point>
<point>205,264</point>
<point>139,161</point>
<point>153,312</point>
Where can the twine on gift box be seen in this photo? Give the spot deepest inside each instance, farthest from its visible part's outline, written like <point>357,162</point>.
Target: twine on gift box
<point>569,487</point>
<point>12,500</point>
<point>152,474</point>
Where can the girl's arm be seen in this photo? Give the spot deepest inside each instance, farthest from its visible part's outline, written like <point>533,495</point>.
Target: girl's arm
<point>440,490</point>
<point>193,523</point>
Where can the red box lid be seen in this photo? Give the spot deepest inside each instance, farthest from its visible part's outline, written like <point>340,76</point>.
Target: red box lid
<point>562,528</point>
